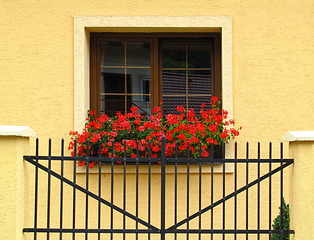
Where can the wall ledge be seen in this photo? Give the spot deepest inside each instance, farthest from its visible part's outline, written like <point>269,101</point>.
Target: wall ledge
<point>19,131</point>
<point>294,136</point>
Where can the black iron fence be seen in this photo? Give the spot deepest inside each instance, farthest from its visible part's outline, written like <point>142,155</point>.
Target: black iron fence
<point>167,197</point>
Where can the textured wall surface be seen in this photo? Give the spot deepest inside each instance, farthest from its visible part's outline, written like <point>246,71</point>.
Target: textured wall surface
<point>302,189</point>
<point>12,179</point>
<point>272,62</point>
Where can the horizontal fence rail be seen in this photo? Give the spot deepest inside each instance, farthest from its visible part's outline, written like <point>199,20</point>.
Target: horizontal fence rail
<point>177,198</point>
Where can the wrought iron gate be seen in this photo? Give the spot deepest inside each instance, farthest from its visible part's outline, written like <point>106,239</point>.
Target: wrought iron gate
<point>238,201</point>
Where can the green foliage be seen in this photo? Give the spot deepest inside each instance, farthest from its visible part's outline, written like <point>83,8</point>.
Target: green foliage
<point>285,222</point>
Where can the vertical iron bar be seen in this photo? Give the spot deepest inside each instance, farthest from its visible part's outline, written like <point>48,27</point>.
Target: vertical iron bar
<point>200,193</point>
<point>212,191</point>
<point>259,190</point>
<point>223,192</point>
<point>86,187</point>
<point>99,188</point>
<point>149,186</point>
<point>247,190</point>
<point>111,195</point>
<point>136,195</point>
<point>74,190</point>
<point>281,190</point>
<point>270,220</point>
<point>49,189</point>
<point>235,187</point>
<point>124,190</point>
<point>176,190</point>
<point>36,192</point>
<point>163,188</point>
<point>61,188</point>
<point>188,192</point>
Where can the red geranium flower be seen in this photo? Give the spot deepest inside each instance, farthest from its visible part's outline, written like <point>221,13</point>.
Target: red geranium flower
<point>131,131</point>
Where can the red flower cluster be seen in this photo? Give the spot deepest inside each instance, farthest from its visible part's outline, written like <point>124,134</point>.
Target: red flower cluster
<point>131,131</point>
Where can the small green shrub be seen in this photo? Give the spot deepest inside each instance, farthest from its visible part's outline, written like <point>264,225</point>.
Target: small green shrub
<point>285,222</point>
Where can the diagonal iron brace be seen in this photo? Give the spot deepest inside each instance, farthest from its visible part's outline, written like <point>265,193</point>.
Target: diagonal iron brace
<point>78,187</point>
<point>173,227</point>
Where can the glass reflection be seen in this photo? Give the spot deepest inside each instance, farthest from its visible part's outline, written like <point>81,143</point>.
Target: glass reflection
<point>173,82</point>
<point>111,104</point>
<point>199,82</point>
<point>199,56</point>
<point>136,78</point>
<point>138,54</point>
<point>174,56</point>
<point>111,53</point>
<point>170,104</point>
<point>112,80</point>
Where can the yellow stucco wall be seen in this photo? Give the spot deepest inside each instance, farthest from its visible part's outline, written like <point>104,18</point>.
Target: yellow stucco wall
<point>272,59</point>
<point>301,184</point>
<point>271,48</point>
<point>12,186</point>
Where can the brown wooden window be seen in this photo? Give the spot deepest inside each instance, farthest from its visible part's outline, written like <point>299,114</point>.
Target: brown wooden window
<point>143,69</point>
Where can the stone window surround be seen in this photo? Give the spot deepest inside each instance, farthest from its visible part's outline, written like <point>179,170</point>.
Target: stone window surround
<point>83,25</point>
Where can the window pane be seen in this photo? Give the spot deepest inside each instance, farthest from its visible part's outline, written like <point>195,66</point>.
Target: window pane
<point>174,56</point>
<point>200,82</point>
<point>138,54</point>
<point>111,104</point>
<point>139,90</point>
<point>173,82</point>
<point>112,80</point>
<point>188,83</point>
<point>196,103</point>
<point>199,56</point>
<point>143,104</point>
<point>112,54</point>
<point>170,104</point>
<point>136,77</point>
<point>146,89</point>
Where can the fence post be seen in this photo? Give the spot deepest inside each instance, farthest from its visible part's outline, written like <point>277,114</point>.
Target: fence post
<point>14,143</point>
<point>301,183</point>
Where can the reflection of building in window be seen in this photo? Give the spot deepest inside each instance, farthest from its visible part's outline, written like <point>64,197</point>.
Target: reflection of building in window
<point>189,92</point>
<point>123,65</point>
<point>146,90</point>
<point>143,69</point>
<point>113,85</point>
